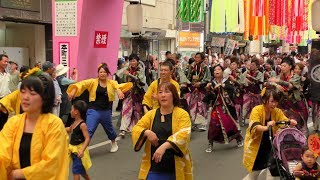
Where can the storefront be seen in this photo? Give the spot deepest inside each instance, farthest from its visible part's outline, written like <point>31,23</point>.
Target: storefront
<point>151,42</point>
<point>26,31</point>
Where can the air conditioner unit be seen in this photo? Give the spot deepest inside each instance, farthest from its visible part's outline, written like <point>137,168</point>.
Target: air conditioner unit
<point>171,26</point>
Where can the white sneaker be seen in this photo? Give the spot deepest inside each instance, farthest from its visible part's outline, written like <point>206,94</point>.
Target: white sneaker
<point>203,128</point>
<point>210,148</point>
<point>240,143</point>
<point>122,134</point>
<point>114,147</point>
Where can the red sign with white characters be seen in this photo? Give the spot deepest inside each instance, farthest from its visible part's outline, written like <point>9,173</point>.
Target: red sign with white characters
<point>100,39</point>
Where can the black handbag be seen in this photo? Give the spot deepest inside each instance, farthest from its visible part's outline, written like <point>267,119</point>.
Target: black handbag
<point>272,166</point>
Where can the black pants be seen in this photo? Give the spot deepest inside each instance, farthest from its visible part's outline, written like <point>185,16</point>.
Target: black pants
<point>3,119</point>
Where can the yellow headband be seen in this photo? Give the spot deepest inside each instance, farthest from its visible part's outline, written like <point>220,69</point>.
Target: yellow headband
<point>263,91</point>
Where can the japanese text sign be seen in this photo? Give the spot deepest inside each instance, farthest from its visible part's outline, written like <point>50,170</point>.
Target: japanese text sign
<point>66,18</point>
<point>64,56</point>
<point>189,39</point>
<point>100,39</point>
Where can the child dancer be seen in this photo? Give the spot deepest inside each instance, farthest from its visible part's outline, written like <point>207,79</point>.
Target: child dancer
<point>308,168</point>
<point>79,141</point>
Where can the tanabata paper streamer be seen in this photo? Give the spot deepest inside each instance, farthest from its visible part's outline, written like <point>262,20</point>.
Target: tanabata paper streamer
<point>191,10</point>
<point>218,13</point>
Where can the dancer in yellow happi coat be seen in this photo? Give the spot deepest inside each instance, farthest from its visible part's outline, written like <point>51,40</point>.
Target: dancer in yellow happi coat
<point>34,144</point>
<point>11,103</point>
<point>150,99</point>
<point>166,134</point>
<point>101,95</point>
<point>257,145</point>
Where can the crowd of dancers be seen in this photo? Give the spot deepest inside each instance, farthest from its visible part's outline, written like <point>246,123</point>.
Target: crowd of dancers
<point>211,92</point>
<point>221,90</point>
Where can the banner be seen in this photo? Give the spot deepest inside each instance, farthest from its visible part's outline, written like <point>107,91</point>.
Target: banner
<point>218,42</point>
<point>189,39</point>
<point>230,47</point>
<point>315,75</point>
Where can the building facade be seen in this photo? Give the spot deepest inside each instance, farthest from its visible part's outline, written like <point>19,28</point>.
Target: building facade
<point>26,31</point>
<point>159,30</point>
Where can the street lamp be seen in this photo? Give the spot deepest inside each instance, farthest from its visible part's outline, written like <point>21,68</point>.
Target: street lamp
<point>315,16</point>
<point>134,17</point>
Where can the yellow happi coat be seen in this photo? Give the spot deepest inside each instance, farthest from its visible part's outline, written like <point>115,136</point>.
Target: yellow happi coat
<point>49,148</point>
<point>92,84</point>
<point>181,129</point>
<point>253,137</point>
<point>148,100</point>
<point>12,102</point>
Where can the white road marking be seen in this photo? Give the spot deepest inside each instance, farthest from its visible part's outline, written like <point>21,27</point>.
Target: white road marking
<point>102,143</point>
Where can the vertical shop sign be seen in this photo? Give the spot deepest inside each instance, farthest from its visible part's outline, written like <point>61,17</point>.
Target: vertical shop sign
<point>64,53</point>
<point>100,39</point>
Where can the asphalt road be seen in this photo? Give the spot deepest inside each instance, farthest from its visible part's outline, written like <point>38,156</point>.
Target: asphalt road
<point>224,163</point>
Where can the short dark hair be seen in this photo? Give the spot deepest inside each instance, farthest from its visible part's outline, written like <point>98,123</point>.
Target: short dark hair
<point>217,65</point>
<point>201,55</point>
<point>171,61</point>
<point>47,65</point>
<point>168,52</point>
<point>12,62</point>
<point>43,85</point>
<point>82,107</point>
<point>271,90</point>
<point>304,149</point>
<point>134,56</point>
<point>191,60</point>
<point>173,90</point>
<point>289,61</point>
<point>300,65</point>
<point>234,59</point>
<point>256,61</point>
<point>270,61</point>
<point>3,55</point>
<point>167,63</point>
<point>105,67</point>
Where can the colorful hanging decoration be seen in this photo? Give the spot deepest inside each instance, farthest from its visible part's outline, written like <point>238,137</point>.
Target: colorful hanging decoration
<point>191,10</point>
<point>225,16</point>
<point>287,20</point>
<point>256,18</point>
<point>218,14</point>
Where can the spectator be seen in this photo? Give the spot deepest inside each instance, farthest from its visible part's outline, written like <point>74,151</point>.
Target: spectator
<point>14,76</point>
<point>64,82</point>
<point>4,85</point>
<point>48,67</point>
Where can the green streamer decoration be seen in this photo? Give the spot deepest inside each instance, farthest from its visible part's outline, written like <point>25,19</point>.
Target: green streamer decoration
<point>191,10</point>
